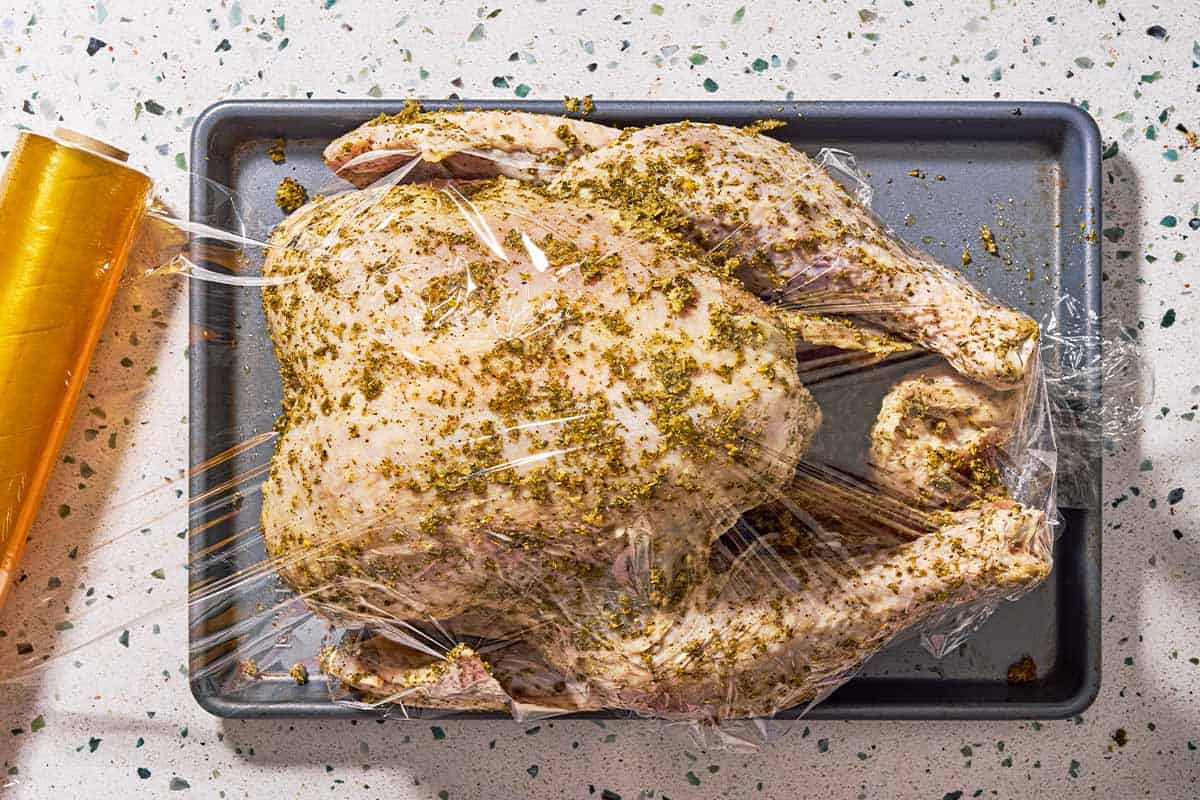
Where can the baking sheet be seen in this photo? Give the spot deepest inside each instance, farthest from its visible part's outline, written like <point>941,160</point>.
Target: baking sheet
<point>939,171</point>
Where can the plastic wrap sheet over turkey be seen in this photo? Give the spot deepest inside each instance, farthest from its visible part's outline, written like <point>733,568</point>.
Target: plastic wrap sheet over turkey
<point>564,423</point>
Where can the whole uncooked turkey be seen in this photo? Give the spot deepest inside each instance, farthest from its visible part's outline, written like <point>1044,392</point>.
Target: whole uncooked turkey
<point>543,423</point>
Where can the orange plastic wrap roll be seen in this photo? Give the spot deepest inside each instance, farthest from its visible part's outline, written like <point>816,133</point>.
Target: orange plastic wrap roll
<point>69,209</point>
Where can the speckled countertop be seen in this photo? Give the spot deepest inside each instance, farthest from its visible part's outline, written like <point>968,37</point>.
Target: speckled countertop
<point>138,77</point>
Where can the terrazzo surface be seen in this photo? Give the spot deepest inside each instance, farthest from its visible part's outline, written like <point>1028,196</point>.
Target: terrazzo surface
<point>118,719</point>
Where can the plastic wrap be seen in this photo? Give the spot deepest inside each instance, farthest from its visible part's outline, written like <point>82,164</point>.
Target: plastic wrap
<point>544,449</point>
<point>663,422</point>
<point>69,206</point>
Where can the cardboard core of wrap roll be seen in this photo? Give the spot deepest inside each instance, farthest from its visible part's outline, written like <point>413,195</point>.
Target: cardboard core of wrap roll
<point>69,210</point>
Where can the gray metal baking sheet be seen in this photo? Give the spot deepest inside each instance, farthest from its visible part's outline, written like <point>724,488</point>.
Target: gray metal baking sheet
<point>939,171</point>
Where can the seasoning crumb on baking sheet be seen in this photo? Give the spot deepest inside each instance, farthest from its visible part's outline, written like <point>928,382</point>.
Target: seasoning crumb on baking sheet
<point>989,240</point>
<point>290,195</point>
<point>583,105</point>
<point>299,673</point>
<point>276,151</point>
<point>1023,671</point>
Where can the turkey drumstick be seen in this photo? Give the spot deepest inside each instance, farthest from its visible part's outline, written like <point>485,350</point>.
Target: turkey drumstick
<point>779,221</point>
<point>763,640</point>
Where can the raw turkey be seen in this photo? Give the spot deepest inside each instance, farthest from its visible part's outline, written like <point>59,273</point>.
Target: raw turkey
<point>547,395</point>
